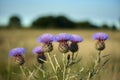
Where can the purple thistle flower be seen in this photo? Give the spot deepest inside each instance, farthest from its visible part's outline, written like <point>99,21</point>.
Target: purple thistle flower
<point>38,50</point>
<point>46,38</point>
<point>76,38</point>
<point>63,37</point>
<point>17,52</point>
<point>40,54</point>
<point>100,36</point>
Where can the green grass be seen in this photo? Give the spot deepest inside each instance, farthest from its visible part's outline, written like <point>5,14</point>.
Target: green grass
<point>28,39</point>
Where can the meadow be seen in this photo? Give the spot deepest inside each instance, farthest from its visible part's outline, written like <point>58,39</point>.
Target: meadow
<point>27,38</point>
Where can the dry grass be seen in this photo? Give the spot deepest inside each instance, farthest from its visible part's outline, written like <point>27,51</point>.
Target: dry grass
<point>28,39</point>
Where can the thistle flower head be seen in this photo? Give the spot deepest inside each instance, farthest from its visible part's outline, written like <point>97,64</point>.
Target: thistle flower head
<point>17,52</point>
<point>76,38</point>
<point>46,38</point>
<point>100,45</point>
<point>73,47</point>
<point>38,50</point>
<point>48,47</point>
<point>100,36</point>
<point>41,58</point>
<point>63,37</point>
<point>63,47</point>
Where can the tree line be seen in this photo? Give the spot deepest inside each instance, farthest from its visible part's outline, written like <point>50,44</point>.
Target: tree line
<point>58,22</point>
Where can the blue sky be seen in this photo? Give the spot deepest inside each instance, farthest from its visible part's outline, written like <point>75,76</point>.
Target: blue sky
<point>96,11</point>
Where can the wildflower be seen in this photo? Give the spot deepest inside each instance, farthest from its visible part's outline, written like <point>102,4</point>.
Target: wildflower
<point>17,53</point>
<point>47,40</point>
<point>100,37</point>
<point>38,50</point>
<point>74,40</point>
<point>40,54</point>
<point>63,39</point>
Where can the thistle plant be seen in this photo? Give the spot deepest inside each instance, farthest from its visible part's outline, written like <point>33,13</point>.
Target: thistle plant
<point>63,39</point>
<point>75,39</point>
<point>100,46</point>
<point>41,58</point>
<point>17,54</point>
<point>68,46</point>
<point>46,40</point>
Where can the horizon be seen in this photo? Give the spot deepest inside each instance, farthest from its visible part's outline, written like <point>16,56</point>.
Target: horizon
<point>95,11</point>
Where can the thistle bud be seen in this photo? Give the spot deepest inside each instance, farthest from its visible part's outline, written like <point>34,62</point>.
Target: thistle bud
<point>73,47</point>
<point>100,37</point>
<point>48,47</point>
<point>17,54</point>
<point>74,40</point>
<point>19,60</point>
<point>40,54</point>
<point>63,47</point>
<point>47,40</point>
<point>100,45</point>
<point>41,58</point>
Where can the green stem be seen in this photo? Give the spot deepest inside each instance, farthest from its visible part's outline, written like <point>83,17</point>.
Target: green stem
<point>99,59</point>
<point>72,56</point>
<point>64,65</point>
<point>51,62</point>
<point>21,68</point>
<point>97,62</point>
<point>31,74</point>
<point>57,61</point>
<point>42,66</point>
<point>40,69</point>
<point>76,55</point>
<point>8,75</point>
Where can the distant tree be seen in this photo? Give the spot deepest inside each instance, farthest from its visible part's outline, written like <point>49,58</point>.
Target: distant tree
<point>85,25</point>
<point>52,22</point>
<point>63,22</point>
<point>14,22</point>
<point>43,22</point>
<point>114,28</point>
<point>105,26</point>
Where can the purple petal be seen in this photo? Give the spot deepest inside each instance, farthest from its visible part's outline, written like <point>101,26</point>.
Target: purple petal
<point>17,51</point>
<point>46,38</point>
<point>63,37</point>
<point>100,36</point>
<point>38,49</point>
<point>76,38</point>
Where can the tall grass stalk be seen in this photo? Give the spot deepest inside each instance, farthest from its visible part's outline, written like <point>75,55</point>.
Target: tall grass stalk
<point>8,69</point>
<point>21,68</point>
<point>31,74</point>
<point>64,67</point>
<point>53,67</point>
<point>41,70</point>
<point>95,69</point>
<point>57,64</point>
<point>49,57</point>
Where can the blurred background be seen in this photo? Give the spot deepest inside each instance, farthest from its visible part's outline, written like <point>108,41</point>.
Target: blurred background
<point>60,14</point>
<point>22,21</point>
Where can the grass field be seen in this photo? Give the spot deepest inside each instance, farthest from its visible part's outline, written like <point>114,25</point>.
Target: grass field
<point>27,38</point>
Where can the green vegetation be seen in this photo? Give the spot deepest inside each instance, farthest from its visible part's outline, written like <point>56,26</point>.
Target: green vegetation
<point>27,38</point>
<point>52,22</point>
